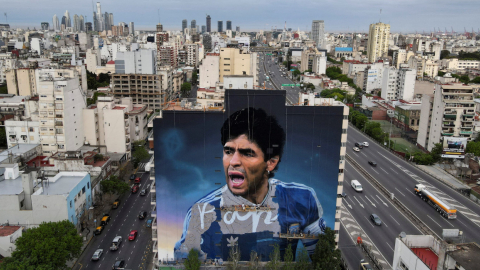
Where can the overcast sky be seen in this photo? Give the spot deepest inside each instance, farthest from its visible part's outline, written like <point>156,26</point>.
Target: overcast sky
<point>339,15</point>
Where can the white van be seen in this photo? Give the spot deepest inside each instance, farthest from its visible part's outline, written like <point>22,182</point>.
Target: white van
<point>356,185</point>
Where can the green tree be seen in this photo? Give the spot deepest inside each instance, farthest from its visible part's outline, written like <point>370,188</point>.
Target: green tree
<point>288,258</point>
<point>3,137</point>
<point>423,158</point>
<point>48,246</point>
<point>139,152</point>
<point>303,260</point>
<point>476,80</point>
<point>254,261</point>
<point>444,54</point>
<point>296,72</point>
<point>309,86</point>
<point>473,147</point>
<point>192,262</point>
<point>185,89</point>
<point>326,256</point>
<point>94,99</point>
<point>361,121</point>
<point>275,260</point>
<point>464,79</point>
<point>3,89</point>
<point>194,77</point>
<point>113,185</point>
<point>436,152</point>
<point>440,73</point>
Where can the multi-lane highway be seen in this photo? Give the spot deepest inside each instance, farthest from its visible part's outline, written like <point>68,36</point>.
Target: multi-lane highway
<point>269,67</point>
<point>123,221</point>
<point>400,177</point>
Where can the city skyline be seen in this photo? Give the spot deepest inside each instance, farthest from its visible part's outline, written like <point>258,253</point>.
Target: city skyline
<point>346,16</point>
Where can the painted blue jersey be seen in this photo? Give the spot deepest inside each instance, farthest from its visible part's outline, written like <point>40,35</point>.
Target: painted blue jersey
<point>212,226</point>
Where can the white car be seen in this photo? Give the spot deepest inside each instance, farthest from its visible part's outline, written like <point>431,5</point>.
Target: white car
<point>98,253</point>
<point>365,144</point>
<point>356,149</point>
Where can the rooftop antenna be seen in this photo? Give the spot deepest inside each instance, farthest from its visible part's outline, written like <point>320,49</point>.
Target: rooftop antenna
<point>380,19</point>
<point>6,18</point>
<point>158,11</point>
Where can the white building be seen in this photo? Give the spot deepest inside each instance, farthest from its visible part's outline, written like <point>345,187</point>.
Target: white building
<point>21,132</point>
<point>142,61</point>
<point>318,33</point>
<point>28,201</point>
<point>192,54</point>
<point>378,38</point>
<point>449,113</point>
<point>238,82</point>
<point>398,83</point>
<point>115,125</point>
<point>61,102</point>
<point>209,70</point>
<point>36,45</point>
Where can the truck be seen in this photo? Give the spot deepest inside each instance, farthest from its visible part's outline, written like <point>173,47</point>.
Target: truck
<point>442,207</point>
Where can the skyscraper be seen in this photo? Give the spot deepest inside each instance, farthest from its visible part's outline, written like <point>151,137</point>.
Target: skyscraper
<point>238,29</point>
<point>68,21</point>
<point>99,17</point>
<point>159,27</point>
<point>204,29</point>
<point>106,21</point>
<point>220,26</point>
<point>110,20</point>
<point>75,23</point>
<point>318,33</point>
<point>229,25</point>
<point>82,23</point>
<point>131,28</point>
<point>55,23</point>
<point>64,22</point>
<point>95,22</point>
<point>378,36</point>
<point>184,25</point>
<point>193,24</point>
<point>209,24</point>
<point>45,26</point>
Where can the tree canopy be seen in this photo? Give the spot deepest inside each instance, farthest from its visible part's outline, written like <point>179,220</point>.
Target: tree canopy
<point>192,262</point>
<point>185,89</point>
<point>139,152</point>
<point>47,247</point>
<point>114,185</point>
<point>326,256</point>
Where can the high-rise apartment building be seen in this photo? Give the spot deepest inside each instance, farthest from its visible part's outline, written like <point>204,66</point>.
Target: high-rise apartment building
<point>220,27</point>
<point>449,112</point>
<point>398,83</point>
<point>159,27</point>
<point>137,62</point>
<point>184,25</point>
<point>209,24</point>
<point>55,23</point>
<point>193,24</point>
<point>229,25</point>
<point>76,23</point>
<point>81,20</point>
<point>68,20</point>
<point>45,26</point>
<point>204,29</point>
<point>131,28</point>
<point>378,36</point>
<point>143,89</point>
<point>318,33</point>
<point>237,29</point>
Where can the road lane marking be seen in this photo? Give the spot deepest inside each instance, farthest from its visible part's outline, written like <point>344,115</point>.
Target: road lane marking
<point>375,171</point>
<point>384,170</point>
<point>385,223</point>
<point>434,221</point>
<point>400,192</point>
<point>395,220</point>
<point>374,199</point>
<point>390,247</point>
<point>369,222</point>
<point>382,201</point>
<point>393,170</point>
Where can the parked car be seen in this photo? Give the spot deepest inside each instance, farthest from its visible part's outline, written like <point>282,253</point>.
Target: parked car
<point>365,144</point>
<point>97,254</point>
<point>359,145</point>
<point>135,189</point>
<point>356,149</point>
<point>142,215</point>
<point>132,176</point>
<point>133,234</point>
<point>116,203</point>
<point>105,220</point>
<point>376,219</point>
<point>373,163</point>
<point>99,230</point>
<point>149,222</point>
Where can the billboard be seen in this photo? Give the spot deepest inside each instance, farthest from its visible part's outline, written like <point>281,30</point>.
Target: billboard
<point>250,176</point>
<point>454,147</point>
<point>372,75</point>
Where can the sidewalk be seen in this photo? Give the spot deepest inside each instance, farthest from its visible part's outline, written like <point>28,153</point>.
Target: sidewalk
<point>443,176</point>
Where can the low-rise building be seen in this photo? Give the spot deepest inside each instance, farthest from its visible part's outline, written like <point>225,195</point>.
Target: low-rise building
<point>8,236</point>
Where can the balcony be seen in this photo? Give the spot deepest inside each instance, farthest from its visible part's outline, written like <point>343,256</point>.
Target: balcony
<point>155,251</point>
<point>448,124</point>
<point>58,124</point>
<point>447,133</point>
<point>467,119</point>
<point>464,132</point>
<point>154,234</point>
<point>153,199</point>
<point>154,211</point>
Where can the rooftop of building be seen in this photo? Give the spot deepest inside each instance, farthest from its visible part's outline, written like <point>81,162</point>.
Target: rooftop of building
<point>111,62</point>
<point>238,76</point>
<point>12,99</point>
<point>344,49</point>
<point>17,150</point>
<point>61,184</point>
<point>456,86</point>
<point>466,255</point>
<point>427,256</point>
<point>8,230</point>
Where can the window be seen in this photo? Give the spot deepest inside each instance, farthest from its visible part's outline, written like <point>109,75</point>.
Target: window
<point>344,131</point>
<point>32,130</point>
<point>83,190</point>
<point>226,70</point>
<point>71,204</point>
<point>88,185</point>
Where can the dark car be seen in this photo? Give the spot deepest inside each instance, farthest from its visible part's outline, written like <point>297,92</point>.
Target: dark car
<point>142,215</point>
<point>373,163</point>
<point>143,192</point>
<point>119,264</point>
<point>376,219</point>
<point>135,189</point>
<point>133,176</point>
<point>359,145</point>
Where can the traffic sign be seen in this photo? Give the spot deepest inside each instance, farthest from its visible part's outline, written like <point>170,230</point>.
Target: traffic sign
<point>269,54</point>
<point>286,84</point>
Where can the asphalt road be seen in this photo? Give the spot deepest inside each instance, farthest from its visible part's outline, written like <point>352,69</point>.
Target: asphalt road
<point>362,204</point>
<point>267,64</point>
<point>400,177</point>
<point>123,221</point>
